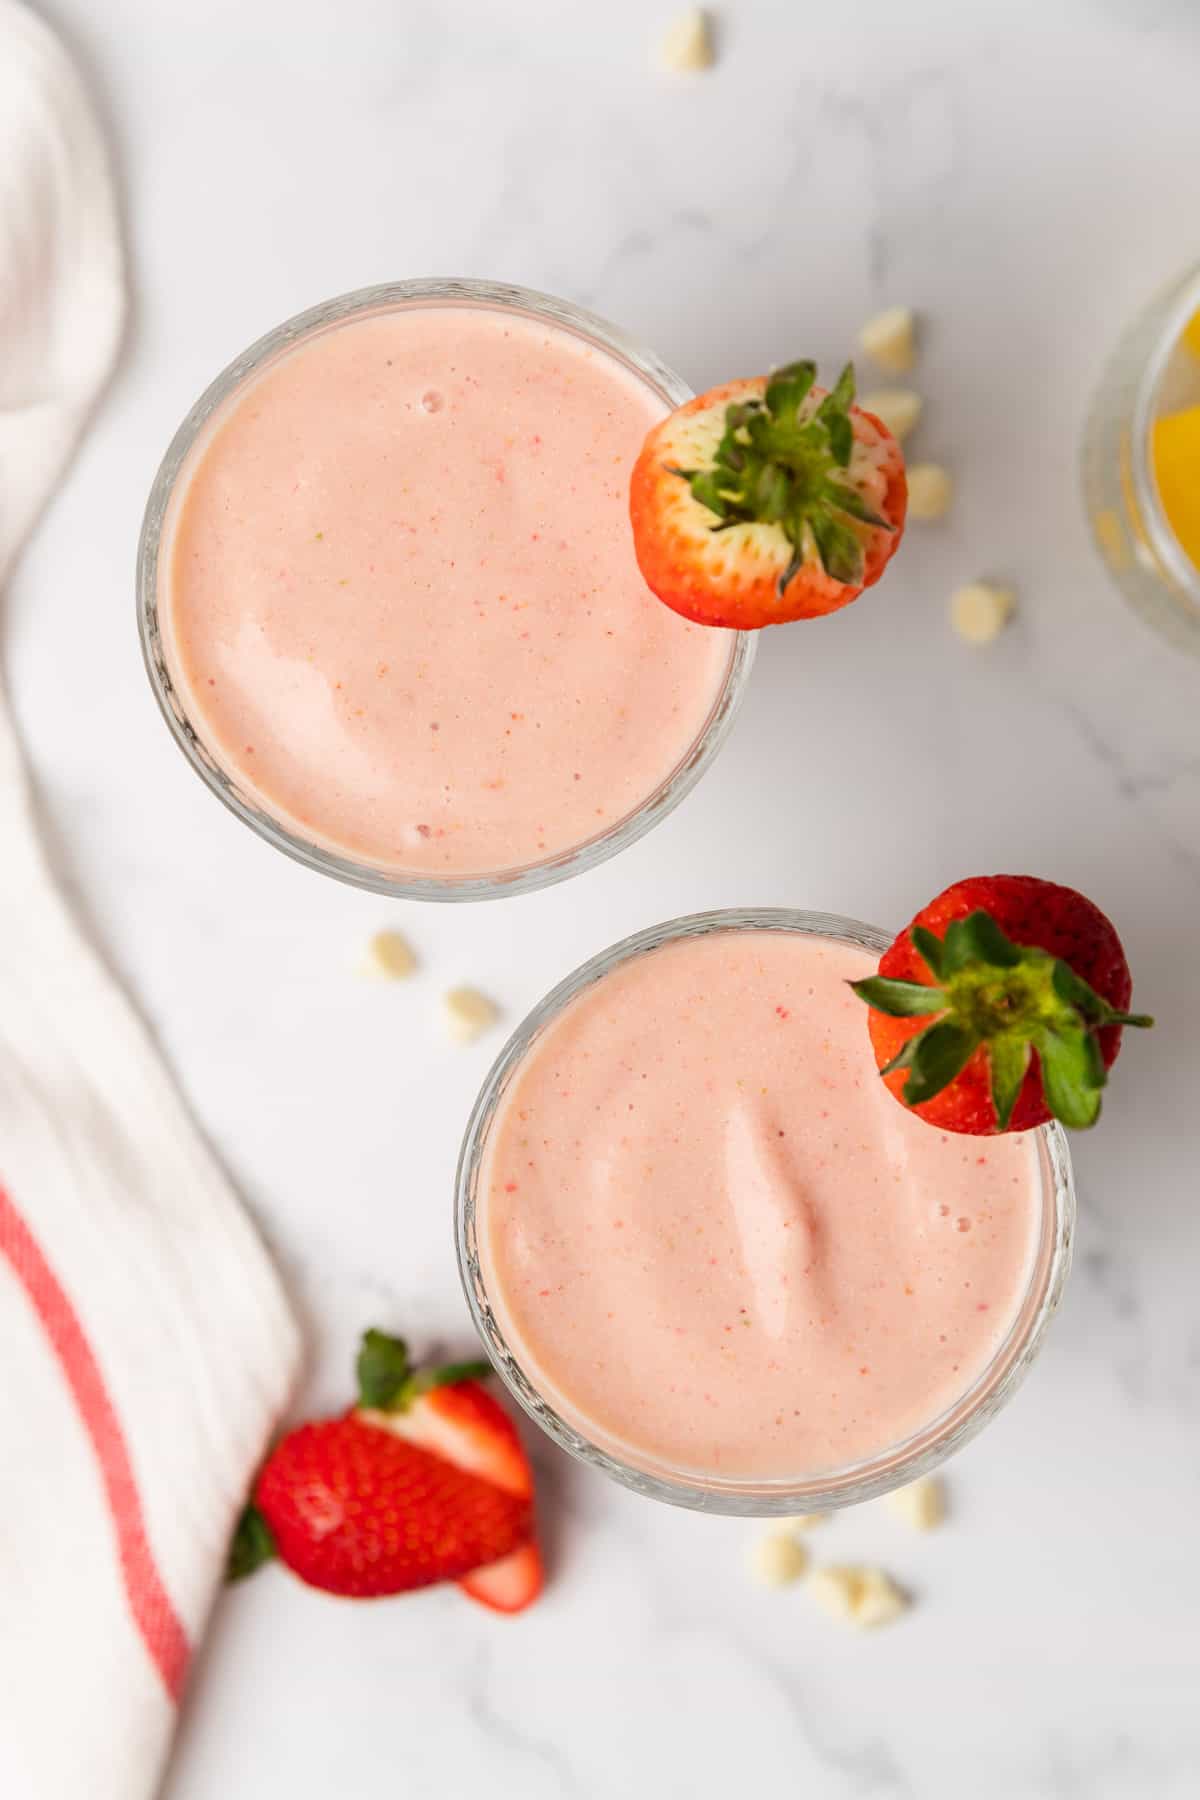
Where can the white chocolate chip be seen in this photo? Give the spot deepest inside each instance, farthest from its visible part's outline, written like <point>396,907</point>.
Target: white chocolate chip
<point>889,340</point>
<point>930,491</point>
<point>860,1596</point>
<point>804,1521</point>
<point>980,611</point>
<point>777,1560</point>
<point>898,408</point>
<point>922,1504</point>
<point>468,1013</point>
<point>836,1590</point>
<point>388,957</point>
<point>879,1601</point>
<point>687,45</point>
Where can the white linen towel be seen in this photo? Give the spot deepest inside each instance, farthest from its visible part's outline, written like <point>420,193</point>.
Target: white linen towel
<point>146,1347</point>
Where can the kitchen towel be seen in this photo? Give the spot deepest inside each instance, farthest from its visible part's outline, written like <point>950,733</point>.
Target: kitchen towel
<point>146,1346</point>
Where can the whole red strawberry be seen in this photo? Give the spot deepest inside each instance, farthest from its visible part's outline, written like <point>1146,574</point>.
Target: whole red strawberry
<point>425,1481</point>
<point>767,500</point>
<point>1001,1006</point>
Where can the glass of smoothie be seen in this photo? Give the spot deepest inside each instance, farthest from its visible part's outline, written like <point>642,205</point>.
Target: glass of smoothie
<point>388,598</point>
<point>708,1251</point>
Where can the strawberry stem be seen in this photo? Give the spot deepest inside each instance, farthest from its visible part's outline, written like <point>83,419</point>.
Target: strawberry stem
<point>1014,999</point>
<point>783,461</point>
<point>382,1369</point>
<point>388,1382</point>
<point>447,1376</point>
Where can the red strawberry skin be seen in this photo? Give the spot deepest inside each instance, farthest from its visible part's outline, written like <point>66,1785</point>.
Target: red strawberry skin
<point>359,1512</point>
<point>1032,912</point>
<point>464,1425</point>
<point>731,577</point>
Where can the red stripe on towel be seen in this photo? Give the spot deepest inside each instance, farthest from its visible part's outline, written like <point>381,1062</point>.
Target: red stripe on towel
<point>154,1616</point>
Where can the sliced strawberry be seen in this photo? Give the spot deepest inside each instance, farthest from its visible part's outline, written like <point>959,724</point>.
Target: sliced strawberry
<point>509,1585</point>
<point>361,1513</point>
<point>767,500</point>
<point>425,1480</point>
<point>1001,1006</point>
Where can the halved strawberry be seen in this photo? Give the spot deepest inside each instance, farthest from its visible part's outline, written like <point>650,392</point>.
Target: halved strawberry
<point>361,1513</point>
<point>767,500</point>
<point>510,1585</point>
<point>426,1480</point>
<point>1001,1006</point>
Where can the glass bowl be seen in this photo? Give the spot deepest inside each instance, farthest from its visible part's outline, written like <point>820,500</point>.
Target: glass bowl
<point>188,733</point>
<point>892,1467</point>
<point>1150,373</point>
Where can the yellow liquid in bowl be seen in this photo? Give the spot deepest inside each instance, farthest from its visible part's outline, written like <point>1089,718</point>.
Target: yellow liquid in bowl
<point>1175,453</point>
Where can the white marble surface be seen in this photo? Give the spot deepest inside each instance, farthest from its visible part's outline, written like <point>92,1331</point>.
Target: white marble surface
<point>1023,174</point>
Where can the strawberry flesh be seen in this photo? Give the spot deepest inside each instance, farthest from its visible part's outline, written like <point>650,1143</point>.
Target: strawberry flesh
<point>510,1585</point>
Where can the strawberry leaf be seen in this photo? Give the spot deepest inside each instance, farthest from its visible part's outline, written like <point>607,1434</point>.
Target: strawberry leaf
<point>899,999</point>
<point>383,1370</point>
<point>978,939</point>
<point>905,1057</point>
<point>841,438</point>
<point>771,493</point>
<point>941,1052</point>
<point>840,550</point>
<point>449,1375</point>
<point>387,1382</point>
<point>987,943</point>
<point>707,488</point>
<point>841,395</point>
<point>1074,991</point>
<point>929,949</point>
<point>252,1545</point>
<point>1008,1058</point>
<point>788,389</point>
<point>1073,1075</point>
<point>849,500</point>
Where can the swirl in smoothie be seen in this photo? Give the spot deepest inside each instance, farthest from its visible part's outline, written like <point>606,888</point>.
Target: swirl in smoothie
<point>713,1240</point>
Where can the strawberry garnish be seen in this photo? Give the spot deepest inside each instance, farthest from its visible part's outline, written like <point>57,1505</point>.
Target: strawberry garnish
<point>767,500</point>
<point>424,1481</point>
<point>1001,1006</point>
<point>357,1512</point>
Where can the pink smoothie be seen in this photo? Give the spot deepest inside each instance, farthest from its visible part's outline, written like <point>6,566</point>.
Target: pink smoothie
<point>714,1240</point>
<point>399,596</point>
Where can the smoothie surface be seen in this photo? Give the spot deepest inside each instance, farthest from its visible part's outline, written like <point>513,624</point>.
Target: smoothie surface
<point>712,1237</point>
<point>399,597</point>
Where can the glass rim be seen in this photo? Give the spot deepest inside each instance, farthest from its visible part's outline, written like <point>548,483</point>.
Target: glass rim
<point>1182,300</point>
<point>864,1479</point>
<point>432,291</point>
